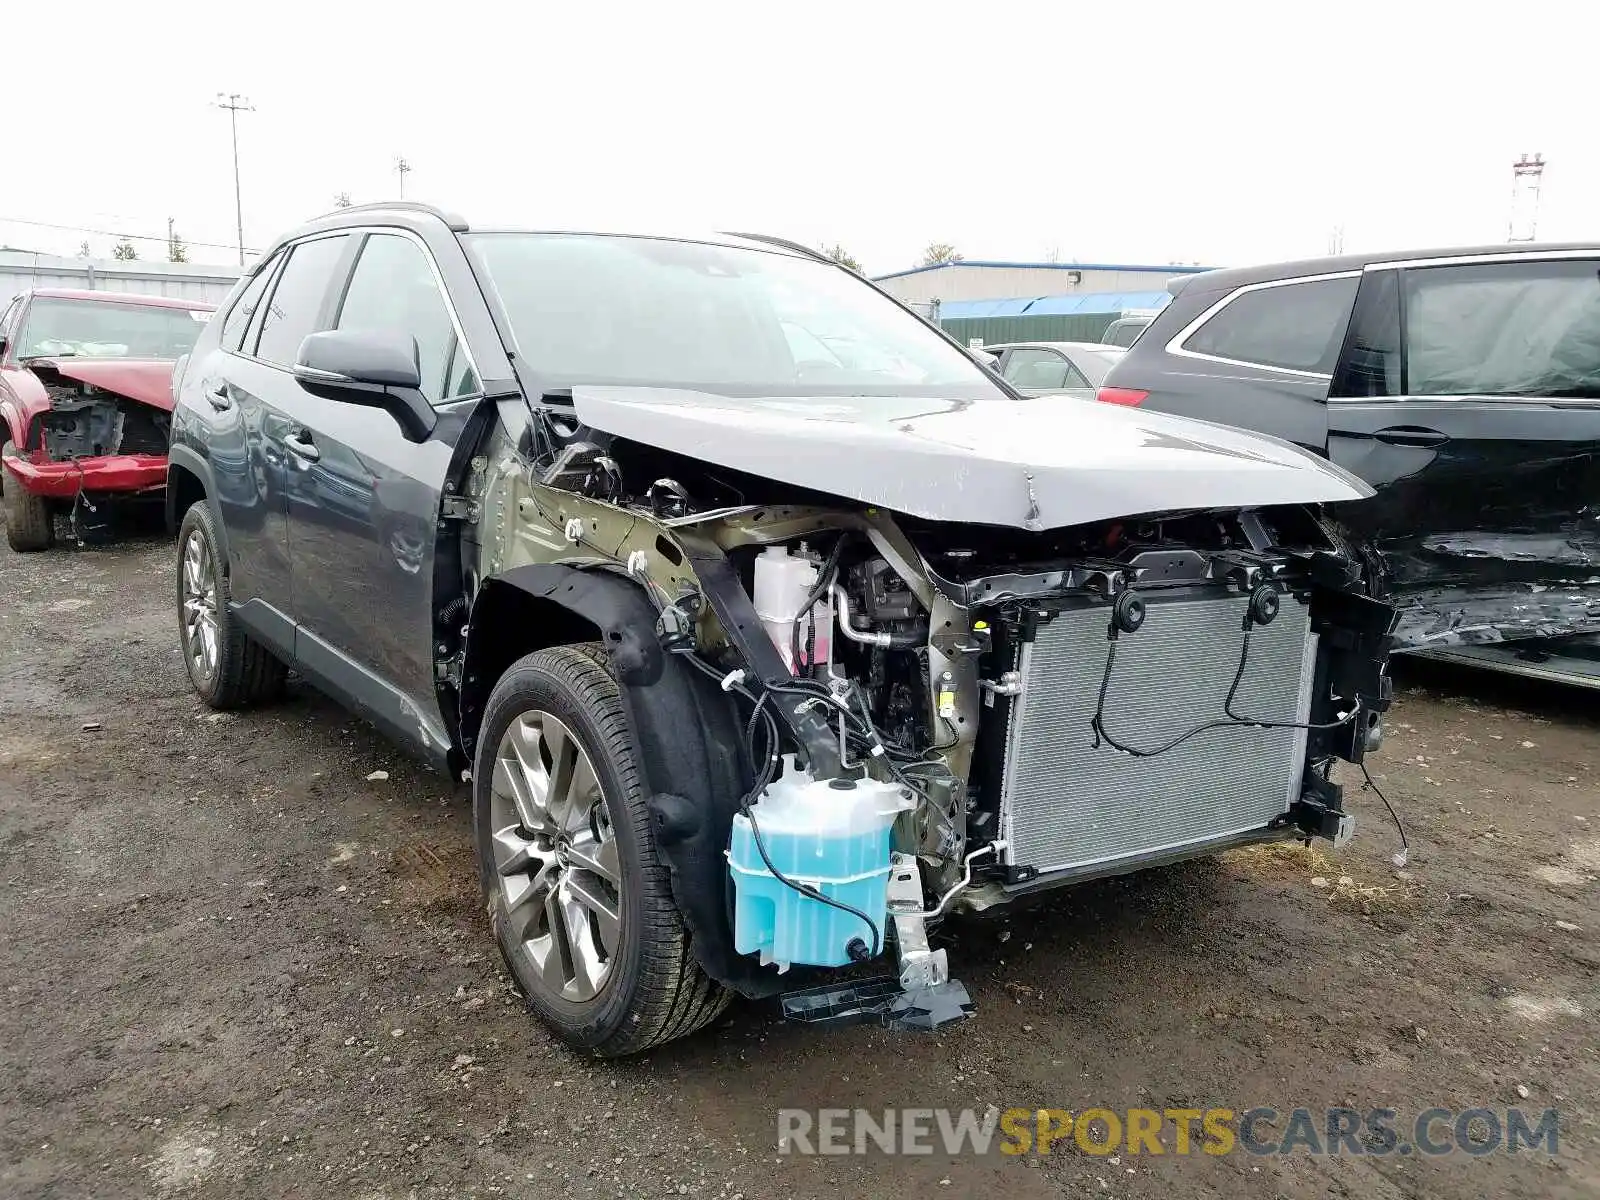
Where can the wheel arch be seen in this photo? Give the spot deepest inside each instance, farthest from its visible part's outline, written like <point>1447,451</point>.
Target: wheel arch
<point>688,735</point>
<point>189,480</point>
<point>15,429</point>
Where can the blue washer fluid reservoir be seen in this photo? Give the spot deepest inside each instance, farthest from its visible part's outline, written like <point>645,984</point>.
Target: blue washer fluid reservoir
<point>835,838</point>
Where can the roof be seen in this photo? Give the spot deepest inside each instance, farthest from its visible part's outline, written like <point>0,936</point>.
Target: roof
<point>120,298</point>
<point>1052,306</point>
<point>1169,269</point>
<point>1232,277</point>
<point>411,214</point>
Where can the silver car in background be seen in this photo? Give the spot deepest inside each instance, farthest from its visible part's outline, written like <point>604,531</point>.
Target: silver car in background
<point>1042,368</point>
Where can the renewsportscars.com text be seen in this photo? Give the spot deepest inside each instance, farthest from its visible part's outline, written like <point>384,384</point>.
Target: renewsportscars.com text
<point>1170,1131</point>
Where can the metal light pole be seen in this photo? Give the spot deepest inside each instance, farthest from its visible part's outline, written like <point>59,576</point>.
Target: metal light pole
<point>1527,174</point>
<point>236,104</point>
<point>402,168</point>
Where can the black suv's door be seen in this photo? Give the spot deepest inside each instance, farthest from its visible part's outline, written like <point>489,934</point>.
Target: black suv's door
<point>364,512</point>
<point>1468,393</point>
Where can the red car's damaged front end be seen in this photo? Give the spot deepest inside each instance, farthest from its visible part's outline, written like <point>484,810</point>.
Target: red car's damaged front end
<point>85,402</point>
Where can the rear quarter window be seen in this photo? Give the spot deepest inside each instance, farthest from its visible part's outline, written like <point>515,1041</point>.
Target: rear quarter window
<point>235,324</point>
<point>1293,326</point>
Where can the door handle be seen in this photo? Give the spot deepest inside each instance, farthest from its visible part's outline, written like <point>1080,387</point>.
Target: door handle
<point>301,446</point>
<point>1411,435</point>
<point>219,399</point>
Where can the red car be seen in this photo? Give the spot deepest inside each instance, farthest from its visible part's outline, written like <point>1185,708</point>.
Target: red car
<point>85,401</point>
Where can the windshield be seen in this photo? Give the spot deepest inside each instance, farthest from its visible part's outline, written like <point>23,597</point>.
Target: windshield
<point>59,327</point>
<point>648,311</point>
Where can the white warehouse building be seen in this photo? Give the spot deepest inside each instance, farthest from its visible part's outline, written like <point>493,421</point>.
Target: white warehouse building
<point>23,269</point>
<point>945,282</point>
<point>1008,301</point>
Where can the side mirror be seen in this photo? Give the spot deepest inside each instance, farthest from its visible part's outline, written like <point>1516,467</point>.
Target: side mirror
<point>362,366</point>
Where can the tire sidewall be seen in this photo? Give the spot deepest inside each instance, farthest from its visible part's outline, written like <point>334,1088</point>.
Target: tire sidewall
<point>25,513</point>
<point>526,686</point>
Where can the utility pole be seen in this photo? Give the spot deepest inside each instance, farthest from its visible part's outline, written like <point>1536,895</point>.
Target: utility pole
<point>236,104</point>
<point>402,168</point>
<point>1527,174</point>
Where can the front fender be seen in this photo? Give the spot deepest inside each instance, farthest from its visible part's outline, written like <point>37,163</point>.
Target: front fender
<point>688,738</point>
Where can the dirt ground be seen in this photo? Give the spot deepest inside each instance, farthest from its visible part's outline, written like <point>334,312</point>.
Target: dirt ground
<point>235,965</point>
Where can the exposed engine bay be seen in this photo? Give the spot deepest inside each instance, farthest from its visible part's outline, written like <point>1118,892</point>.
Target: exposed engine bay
<point>942,716</point>
<point>88,421</point>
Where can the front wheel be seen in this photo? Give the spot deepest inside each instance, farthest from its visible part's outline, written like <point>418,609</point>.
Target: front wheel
<point>29,525</point>
<point>579,899</point>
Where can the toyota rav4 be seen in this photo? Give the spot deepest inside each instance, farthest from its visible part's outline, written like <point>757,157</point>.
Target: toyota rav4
<point>768,627</point>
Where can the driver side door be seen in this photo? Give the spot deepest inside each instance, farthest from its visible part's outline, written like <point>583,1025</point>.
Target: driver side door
<point>364,512</point>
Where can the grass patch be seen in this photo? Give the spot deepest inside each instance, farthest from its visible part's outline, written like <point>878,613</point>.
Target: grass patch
<point>1319,871</point>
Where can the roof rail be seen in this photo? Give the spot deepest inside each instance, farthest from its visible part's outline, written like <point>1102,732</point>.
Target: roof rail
<point>786,243</point>
<point>455,223</point>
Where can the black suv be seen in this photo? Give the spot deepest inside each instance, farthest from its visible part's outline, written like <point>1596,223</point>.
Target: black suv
<point>767,624</point>
<point>1464,385</point>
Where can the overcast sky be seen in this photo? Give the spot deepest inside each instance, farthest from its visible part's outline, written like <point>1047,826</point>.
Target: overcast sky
<point>1219,133</point>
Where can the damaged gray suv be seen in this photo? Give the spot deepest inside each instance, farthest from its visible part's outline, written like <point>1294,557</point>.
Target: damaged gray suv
<point>768,626</point>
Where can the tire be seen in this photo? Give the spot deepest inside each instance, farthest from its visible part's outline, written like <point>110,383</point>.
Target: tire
<point>29,523</point>
<point>240,672</point>
<point>645,988</point>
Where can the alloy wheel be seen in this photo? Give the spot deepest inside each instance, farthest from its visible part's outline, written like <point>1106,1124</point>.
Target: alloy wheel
<point>200,636</point>
<point>557,872</point>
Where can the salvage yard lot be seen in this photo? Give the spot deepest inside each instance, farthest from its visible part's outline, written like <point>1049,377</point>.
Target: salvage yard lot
<point>235,965</point>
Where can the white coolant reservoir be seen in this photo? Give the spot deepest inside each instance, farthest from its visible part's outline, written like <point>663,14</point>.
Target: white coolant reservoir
<point>831,835</point>
<point>783,581</point>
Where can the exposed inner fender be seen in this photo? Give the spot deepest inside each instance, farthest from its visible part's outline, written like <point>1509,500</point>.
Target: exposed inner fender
<point>689,740</point>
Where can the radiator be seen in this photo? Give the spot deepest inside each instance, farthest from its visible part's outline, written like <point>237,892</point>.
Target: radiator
<point>1066,803</point>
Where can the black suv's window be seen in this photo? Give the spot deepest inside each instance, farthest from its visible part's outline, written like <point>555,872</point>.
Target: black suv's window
<point>1504,329</point>
<point>393,289</point>
<point>1299,326</point>
<point>296,301</point>
<point>238,318</point>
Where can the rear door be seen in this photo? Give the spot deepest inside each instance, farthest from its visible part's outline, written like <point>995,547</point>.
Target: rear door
<point>244,385</point>
<point>364,513</point>
<point>1468,393</point>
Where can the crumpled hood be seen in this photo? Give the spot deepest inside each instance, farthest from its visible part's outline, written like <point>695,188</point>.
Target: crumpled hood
<point>1039,463</point>
<point>149,381</point>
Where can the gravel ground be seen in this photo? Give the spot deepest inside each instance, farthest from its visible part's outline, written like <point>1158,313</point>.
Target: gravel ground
<point>235,964</point>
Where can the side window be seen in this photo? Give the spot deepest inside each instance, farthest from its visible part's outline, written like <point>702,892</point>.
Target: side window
<point>1299,326</point>
<point>1125,332</point>
<point>1503,329</point>
<point>238,318</point>
<point>393,290</point>
<point>296,302</point>
<point>1032,368</point>
<point>1370,364</point>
